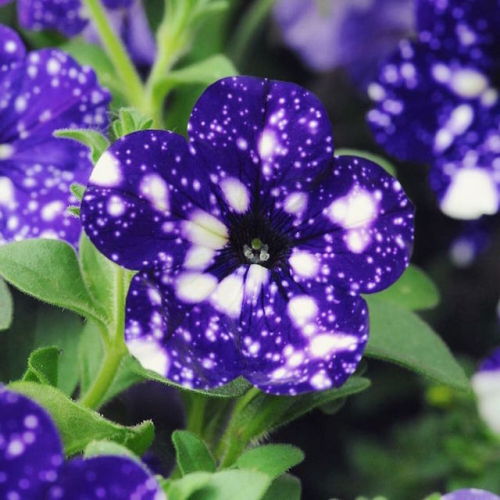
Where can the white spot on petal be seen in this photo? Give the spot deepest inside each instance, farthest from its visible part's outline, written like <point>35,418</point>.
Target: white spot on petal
<point>326,343</point>
<point>198,258</point>
<point>295,203</point>
<point>472,193</point>
<point>150,354</point>
<point>302,309</point>
<point>468,83</point>
<point>194,287</point>
<point>107,171</point>
<point>304,263</point>
<point>356,209</point>
<point>236,194</point>
<point>228,295</point>
<point>155,190</point>
<point>205,230</point>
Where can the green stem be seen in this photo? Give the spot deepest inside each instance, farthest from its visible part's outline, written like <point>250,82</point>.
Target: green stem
<point>132,86</point>
<point>196,413</point>
<point>171,40</point>
<point>105,377</point>
<point>247,28</point>
<point>114,344</point>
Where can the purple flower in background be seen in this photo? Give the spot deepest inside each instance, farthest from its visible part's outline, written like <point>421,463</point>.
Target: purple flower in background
<point>470,494</point>
<point>473,240</point>
<point>356,34</point>
<point>41,92</point>
<point>436,101</point>
<point>486,385</point>
<point>253,242</point>
<point>69,18</point>
<point>32,462</point>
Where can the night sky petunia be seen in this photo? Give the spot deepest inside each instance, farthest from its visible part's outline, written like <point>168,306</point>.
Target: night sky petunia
<point>251,240</point>
<point>355,34</point>
<point>41,92</point>
<point>127,17</point>
<point>436,101</point>
<point>32,462</point>
<point>486,385</point>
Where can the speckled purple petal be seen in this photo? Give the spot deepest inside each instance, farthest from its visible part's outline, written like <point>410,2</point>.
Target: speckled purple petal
<point>462,26</point>
<point>30,448</point>
<point>11,46</point>
<point>269,135</point>
<point>357,230</point>
<point>46,92</point>
<point>62,15</point>
<point>140,195</point>
<point>470,494</point>
<point>107,477</point>
<point>191,343</point>
<point>466,179</point>
<point>285,336</point>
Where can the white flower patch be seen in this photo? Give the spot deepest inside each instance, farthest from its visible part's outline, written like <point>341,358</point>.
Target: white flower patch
<point>303,263</point>
<point>107,172</point>
<point>324,344</point>
<point>150,354</point>
<point>205,230</point>
<point>228,296</point>
<point>236,194</point>
<point>155,190</point>
<point>192,287</point>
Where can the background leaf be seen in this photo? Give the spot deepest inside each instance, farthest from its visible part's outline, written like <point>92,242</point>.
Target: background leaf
<point>79,426</point>
<point>6,306</point>
<point>413,290</point>
<point>106,448</point>
<point>49,271</point>
<point>272,459</point>
<point>192,453</point>
<point>285,487</point>
<point>400,336</point>
<point>379,160</point>
<point>42,366</point>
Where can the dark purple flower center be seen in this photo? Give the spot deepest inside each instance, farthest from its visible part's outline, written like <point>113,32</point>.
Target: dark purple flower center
<point>256,239</point>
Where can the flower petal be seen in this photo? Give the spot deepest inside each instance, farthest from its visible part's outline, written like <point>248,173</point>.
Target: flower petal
<point>186,340</point>
<point>301,339</point>
<point>358,229</point>
<point>30,448</point>
<point>270,136</point>
<point>12,48</point>
<point>147,200</point>
<point>62,15</point>
<point>111,477</point>
<point>285,338</point>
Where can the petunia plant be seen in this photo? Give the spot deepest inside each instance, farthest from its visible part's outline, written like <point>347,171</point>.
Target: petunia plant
<point>247,264</point>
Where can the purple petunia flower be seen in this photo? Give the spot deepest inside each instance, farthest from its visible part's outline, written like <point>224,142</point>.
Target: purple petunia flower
<point>32,462</point>
<point>356,34</point>
<point>486,385</point>
<point>436,101</point>
<point>41,92</point>
<point>69,18</point>
<point>253,242</point>
<point>470,494</point>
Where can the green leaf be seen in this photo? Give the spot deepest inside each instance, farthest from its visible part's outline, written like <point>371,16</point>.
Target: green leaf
<point>42,366</point>
<point>379,160</point>
<point>272,459</point>
<point>79,426</point>
<point>94,140</point>
<point>285,487</point>
<point>233,389</point>
<point>90,355</point>
<point>203,72</point>
<point>192,453</point>
<point>78,190</point>
<point>414,290</point>
<point>400,336</point>
<point>107,448</point>
<point>6,306</point>
<point>40,325</point>
<point>224,485</point>
<point>49,271</point>
<point>130,120</point>
<point>99,275</point>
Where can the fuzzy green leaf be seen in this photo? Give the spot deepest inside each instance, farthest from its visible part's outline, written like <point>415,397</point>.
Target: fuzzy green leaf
<point>79,426</point>
<point>285,487</point>
<point>272,459</point>
<point>49,271</point>
<point>192,453</point>
<point>94,140</point>
<point>6,306</point>
<point>43,366</point>
<point>400,336</point>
